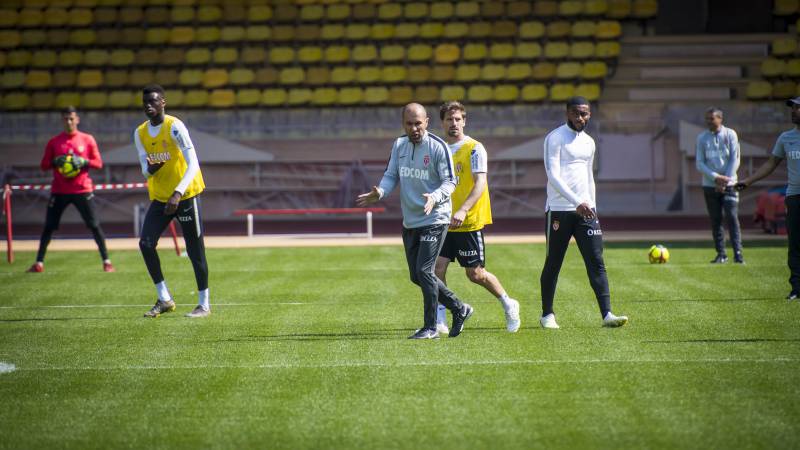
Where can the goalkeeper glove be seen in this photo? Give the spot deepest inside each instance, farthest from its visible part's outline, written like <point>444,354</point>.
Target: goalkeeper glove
<point>58,162</point>
<point>78,162</point>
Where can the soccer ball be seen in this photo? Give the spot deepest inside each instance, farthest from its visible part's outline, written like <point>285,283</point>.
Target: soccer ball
<point>68,169</point>
<point>658,254</point>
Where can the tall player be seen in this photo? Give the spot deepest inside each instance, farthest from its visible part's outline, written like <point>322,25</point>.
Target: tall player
<point>73,186</point>
<point>421,164</point>
<point>174,182</point>
<point>568,159</point>
<point>472,211</point>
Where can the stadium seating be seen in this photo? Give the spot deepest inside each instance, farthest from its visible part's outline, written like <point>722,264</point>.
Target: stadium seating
<point>315,52</point>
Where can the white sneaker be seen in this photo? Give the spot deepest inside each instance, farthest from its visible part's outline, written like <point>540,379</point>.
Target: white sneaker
<point>610,320</point>
<point>549,321</point>
<point>512,316</point>
<point>442,328</point>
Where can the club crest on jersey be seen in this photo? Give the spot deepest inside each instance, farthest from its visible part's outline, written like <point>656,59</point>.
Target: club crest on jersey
<point>556,225</point>
<point>80,149</point>
<point>426,160</point>
<point>459,167</point>
<point>164,145</point>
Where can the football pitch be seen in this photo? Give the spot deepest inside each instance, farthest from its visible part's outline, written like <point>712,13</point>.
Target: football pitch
<point>307,348</point>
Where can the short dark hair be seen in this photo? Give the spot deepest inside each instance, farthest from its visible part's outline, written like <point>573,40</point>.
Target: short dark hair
<point>151,88</point>
<point>716,111</point>
<point>576,101</point>
<point>69,110</point>
<point>451,106</point>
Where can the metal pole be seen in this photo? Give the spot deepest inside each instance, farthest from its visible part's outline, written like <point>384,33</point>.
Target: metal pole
<point>249,225</point>
<point>9,234</point>
<point>369,224</point>
<point>136,220</point>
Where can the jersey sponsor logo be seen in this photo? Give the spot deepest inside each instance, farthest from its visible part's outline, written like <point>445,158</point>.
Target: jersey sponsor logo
<point>428,238</point>
<point>592,232</point>
<point>793,154</point>
<point>556,225</point>
<point>468,253</point>
<point>184,218</point>
<point>426,160</point>
<point>158,157</point>
<point>410,172</point>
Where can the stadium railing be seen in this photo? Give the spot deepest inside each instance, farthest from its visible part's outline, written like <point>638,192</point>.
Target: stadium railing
<point>250,213</point>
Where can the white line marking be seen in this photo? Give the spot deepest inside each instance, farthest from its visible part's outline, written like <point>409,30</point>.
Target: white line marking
<point>7,367</point>
<point>355,364</point>
<point>145,306</point>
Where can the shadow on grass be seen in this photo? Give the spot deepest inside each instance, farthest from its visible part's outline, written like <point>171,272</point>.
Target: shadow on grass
<point>395,333</point>
<point>722,341</point>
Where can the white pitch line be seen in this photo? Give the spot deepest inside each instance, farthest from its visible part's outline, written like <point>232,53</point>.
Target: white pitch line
<point>7,367</point>
<point>145,306</point>
<point>358,364</point>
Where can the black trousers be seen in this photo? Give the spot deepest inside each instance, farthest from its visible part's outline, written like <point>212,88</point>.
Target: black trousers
<point>727,202</point>
<point>155,221</point>
<point>793,232</point>
<point>422,248</point>
<point>561,226</point>
<point>84,203</point>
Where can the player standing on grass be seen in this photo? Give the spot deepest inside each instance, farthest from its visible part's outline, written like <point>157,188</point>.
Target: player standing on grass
<point>421,164</point>
<point>787,147</point>
<point>472,211</point>
<point>174,182</point>
<point>717,159</point>
<point>568,159</point>
<point>71,187</point>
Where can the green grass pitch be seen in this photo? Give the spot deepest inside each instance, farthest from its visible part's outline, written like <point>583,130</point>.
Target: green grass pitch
<point>307,348</point>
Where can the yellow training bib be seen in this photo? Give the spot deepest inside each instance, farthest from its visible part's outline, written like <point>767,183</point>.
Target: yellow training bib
<point>481,212</point>
<point>162,184</point>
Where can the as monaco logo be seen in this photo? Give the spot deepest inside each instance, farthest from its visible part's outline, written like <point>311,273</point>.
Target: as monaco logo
<point>164,145</point>
<point>556,225</point>
<point>458,168</point>
<point>426,160</point>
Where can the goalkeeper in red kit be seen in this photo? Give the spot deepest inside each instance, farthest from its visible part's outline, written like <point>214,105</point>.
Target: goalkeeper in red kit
<point>70,155</point>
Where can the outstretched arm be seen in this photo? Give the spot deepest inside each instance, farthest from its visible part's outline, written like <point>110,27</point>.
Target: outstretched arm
<point>767,168</point>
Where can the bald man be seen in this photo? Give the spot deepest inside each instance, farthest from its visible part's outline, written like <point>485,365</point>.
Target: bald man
<point>421,164</point>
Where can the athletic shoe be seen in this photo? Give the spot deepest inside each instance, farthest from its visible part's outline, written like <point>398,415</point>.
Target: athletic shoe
<point>512,316</point>
<point>160,307</point>
<point>720,259</point>
<point>612,321</point>
<point>738,258</point>
<point>441,328</point>
<point>549,322</point>
<point>37,267</point>
<point>199,311</point>
<point>794,295</point>
<point>107,267</point>
<point>425,333</point>
<point>459,319</point>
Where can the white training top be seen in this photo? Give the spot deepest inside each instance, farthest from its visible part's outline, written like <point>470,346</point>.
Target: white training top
<point>180,135</point>
<point>568,158</point>
<point>478,159</point>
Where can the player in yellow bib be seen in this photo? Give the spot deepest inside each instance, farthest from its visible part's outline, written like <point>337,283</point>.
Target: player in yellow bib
<point>471,211</point>
<point>174,182</point>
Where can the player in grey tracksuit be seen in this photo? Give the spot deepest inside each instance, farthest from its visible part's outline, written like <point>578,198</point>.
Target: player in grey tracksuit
<point>421,164</point>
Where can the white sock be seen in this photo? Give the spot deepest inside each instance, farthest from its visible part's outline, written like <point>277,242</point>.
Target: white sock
<point>504,298</point>
<point>106,261</point>
<point>441,314</point>
<point>202,298</point>
<point>163,292</point>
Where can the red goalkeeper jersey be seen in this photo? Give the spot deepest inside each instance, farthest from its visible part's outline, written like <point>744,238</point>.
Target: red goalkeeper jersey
<point>76,144</point>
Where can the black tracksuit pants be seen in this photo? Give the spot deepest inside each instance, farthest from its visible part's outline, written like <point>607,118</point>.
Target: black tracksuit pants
<point>84,203</point>
<point>422,248</point>
<point>561,226</point>
<point>793,232</point>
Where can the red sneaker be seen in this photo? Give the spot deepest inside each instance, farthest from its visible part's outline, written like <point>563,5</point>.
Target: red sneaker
<point>37,267</point>
<point>107,267</point>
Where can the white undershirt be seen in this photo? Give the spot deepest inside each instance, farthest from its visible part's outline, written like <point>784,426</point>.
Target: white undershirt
<point>179,135</point>
<point>568,159</point>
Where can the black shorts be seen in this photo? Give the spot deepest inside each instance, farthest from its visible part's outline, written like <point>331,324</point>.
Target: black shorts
<point>466,246</point>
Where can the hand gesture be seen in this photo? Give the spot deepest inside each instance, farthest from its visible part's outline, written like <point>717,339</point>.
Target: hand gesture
<point>458,218</point>
<point>430,202</point>
<point>585,211</point>
<point>368,198</point>
<point>152,167</point>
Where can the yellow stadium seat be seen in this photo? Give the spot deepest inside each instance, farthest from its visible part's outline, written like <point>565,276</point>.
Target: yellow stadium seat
<point>645,9</point>
<point>493,9</point>
<point>518,71</point>
<point>96,57</point>
<point>453,30</point>
<point>256,33</point>
<point>122,99</point>
<point>19,58</point>
<point>90,78</point>
<point>247,97</point>
<point>222,98</point>
<point>443,73</point>
<point>519,9</point>
<point>793,68</point>
<point>40,58</point>
<point>292,76</point>
<point>195,98</point>
<point>556,50</point>
<point>94,100</point>
<point>16,101</point>
<point>589,91</point>
<point>452,93</point>
<point>364,11</point>
<point>131,36</point>
<point>172,56</point>
<point>406,30</point>
<point>197,55</point>
<point>64,78</point>
<point>543,71</point>
<point>64,99</point>
<point>70,58</point>
<point>581,50</point>
<point>376,95</point>
<point>337,54</point>
<point>181,14</point>
<point>619,9</point>
<point>225,55</point>
<point>568,70</point>
<point>115,78</point>
<point>447,53</point>
<point>595,7</point>
<point>368,74</point>
<point>317,75</point>
<point>415,10</point>
<point>324,96</point>
<point>431,30</point>
<point>757,90</point>
<point>343,75</point>
<point>784,46</point>
<point>156,15</point>
<point>391,53</point>
<point>467,9</point>
<point>190,77</point>
<point>312,13</point>
<point>357,31</point>
<point>608,29</point>
<point>266,75</point>
<point>252,55</point>
<point>474,52</point>
<point>364,53</point>
<point>131,15</point>
<point>785,7</point>
<point>281,55</point>
<point>156,36</point>
<point>594,70</point>
<point>350,96</point>
<point>30,17</point>
<point>609,49</point>
<point>533,92</point>
<point>558,29</point>
<point>80,17</point>
<point>141,77</point>
<point>531,30</point>
<point>259,13</point>
<point>545,8</point>
<point>175,97</point>
<point>37,79</point>
<point>418,74</point>
<point>393,74</point>
<point>501,51</point>
<point>468,72</point>
<point>214,78</point>
<point>390,11</point>
<point>337,12</point>
<point>505,93</point>
<point>82,37</point>
<point>479,94</point>
<point>309,54</point>
<point>233,34</point>
<point>571,8</point>
<point>426,94</point>
<point>381,31</point>
<point>493,72</point>
<point>503,29</point>
<point>442,10</point>
<point>33,38</point>
<point>332,32</point>
<point>109,36</point>
<point>420,52</point>
<point>3,58</point>
<point>772,67</point>
<point>783,89</point>
<point>207,34</point>
<point>42,100</point>
<point>55,16</point>
<point>560,92</point>
<point>8,17</point>
<point>181,35</point>
<point>528,50</point>
<point>401,95</point>
<point>582,29</point>
<point>121,57</point>
<point>209,14</point>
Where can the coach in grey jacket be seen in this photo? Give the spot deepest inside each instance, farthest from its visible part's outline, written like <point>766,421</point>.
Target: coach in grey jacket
<point>717,159</point>
<point>423,167</point>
